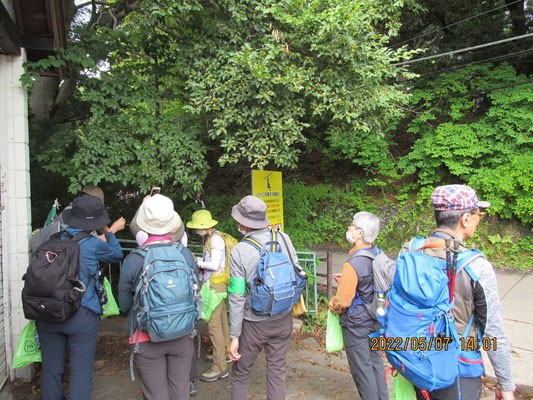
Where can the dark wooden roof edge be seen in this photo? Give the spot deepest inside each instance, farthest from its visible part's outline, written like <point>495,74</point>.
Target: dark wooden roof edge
<point>56,21</point>
<point>9,37</point>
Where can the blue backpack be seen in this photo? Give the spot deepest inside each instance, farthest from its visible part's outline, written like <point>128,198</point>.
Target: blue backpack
<point>470,360</point>
<point>421,341</point>
<point>277,284</point>
<point>166,297</point>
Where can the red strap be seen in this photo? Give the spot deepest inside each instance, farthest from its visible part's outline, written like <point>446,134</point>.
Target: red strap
<point>425,394</point>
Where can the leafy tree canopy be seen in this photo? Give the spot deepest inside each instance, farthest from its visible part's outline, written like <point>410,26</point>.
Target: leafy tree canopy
<point>178,82</point>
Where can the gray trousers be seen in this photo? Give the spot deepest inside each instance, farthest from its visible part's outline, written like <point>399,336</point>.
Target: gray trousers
<point>274,337</point>
<point>164,368</point>
<point>366,366</point>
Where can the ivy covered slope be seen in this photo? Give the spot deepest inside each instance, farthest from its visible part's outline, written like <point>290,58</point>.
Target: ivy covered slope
<point>475,125</point>
<point>178,83</point>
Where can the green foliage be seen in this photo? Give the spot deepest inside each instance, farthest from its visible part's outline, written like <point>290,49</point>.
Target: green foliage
<point>504,246</point>
<point>180,86</point>
<point>470,128</point>
<point>320,213</point>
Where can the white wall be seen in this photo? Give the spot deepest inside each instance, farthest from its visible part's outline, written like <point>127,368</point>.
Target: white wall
<point>16,212</point>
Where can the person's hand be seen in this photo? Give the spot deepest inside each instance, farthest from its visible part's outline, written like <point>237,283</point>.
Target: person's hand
<point>118,225</point>
<point>233,349</point>
<point>503,395</point>
<point>337,277</point>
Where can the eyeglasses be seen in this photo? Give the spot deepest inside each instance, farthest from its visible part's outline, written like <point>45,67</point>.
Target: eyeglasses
<point>482,214</point>
<point>355,227</point>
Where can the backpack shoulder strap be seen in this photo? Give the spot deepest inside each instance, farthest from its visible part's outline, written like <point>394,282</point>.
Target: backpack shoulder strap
<point>467,259</point>
<point>82,235</point>
<point>416,243</point>
<point>253,242</point>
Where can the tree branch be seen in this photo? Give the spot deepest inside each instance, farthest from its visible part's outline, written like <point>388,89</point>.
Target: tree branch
<point>93,3</point>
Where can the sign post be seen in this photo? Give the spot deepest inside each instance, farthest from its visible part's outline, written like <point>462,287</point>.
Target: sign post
<point>268,187</point>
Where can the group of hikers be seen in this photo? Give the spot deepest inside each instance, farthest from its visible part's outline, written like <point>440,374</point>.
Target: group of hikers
<point>162,285</point>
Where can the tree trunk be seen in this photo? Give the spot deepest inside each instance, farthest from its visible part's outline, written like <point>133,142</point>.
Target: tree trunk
<point>43,97</point>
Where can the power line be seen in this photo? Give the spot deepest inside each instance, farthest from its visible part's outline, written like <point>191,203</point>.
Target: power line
<point>465,49</point>
<point>455,23</point>
<point>502,57</point>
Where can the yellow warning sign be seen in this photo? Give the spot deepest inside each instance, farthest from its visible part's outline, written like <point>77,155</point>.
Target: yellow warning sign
<point>267,186</point>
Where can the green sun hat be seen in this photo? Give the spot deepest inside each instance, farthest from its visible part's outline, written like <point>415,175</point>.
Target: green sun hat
<point>201,219</point>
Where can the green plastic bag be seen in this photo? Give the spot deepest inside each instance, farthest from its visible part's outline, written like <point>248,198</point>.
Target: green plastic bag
<point>403,389</point>
<point>27,351</point>
<point>210,300</point>
<point>334,341</point>
<point>111,307</point>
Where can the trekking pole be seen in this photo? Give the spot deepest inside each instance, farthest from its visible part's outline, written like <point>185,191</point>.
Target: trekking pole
<point>448,245</point>
<point>454,269</point>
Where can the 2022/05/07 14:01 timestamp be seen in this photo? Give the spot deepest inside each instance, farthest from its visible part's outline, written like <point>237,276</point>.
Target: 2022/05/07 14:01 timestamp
<point>433,343</point>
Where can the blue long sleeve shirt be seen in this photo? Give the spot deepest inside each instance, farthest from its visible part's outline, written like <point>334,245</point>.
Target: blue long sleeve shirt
<point>92,251</point>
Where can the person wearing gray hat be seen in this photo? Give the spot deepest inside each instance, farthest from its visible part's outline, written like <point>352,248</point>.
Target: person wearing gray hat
<point>250,332</point>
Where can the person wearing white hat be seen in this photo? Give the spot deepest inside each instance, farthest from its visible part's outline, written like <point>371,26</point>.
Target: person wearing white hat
<point>163,367</point>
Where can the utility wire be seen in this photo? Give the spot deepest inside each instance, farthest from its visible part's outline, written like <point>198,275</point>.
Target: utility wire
<point>455,23</point>
<point>502,57</point>
<point>465,49</point>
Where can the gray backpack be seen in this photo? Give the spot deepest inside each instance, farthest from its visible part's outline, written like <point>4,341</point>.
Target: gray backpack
<point>383,269</point>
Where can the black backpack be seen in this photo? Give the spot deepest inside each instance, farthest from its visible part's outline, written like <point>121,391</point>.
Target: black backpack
<point>52,286</point>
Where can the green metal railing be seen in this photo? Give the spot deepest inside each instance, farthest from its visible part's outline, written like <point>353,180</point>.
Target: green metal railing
<point>307,260</point>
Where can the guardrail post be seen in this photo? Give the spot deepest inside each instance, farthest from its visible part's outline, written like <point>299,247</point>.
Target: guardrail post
<point>329,275</point>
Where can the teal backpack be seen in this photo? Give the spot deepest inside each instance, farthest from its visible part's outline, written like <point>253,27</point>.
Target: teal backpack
<point>166,300</point>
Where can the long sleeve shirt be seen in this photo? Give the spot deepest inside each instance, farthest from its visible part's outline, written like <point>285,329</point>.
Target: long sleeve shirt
<point>488,315</point>
<point>347,286</point>
<point>243,265</point>
<point>92,251</point>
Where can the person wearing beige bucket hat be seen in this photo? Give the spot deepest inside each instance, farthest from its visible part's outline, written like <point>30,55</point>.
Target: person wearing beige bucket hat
<point>215,267</point>
<point>177,230</point>
<point>250,332</point>
<point>163,366</point>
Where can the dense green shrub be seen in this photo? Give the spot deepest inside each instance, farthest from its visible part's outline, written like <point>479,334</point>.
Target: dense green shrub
<point>475,125</point>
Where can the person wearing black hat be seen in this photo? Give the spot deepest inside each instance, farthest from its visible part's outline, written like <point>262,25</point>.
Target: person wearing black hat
<point>79,332</point>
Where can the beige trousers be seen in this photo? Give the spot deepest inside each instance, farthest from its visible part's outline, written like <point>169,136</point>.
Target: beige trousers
<point>219,331</point>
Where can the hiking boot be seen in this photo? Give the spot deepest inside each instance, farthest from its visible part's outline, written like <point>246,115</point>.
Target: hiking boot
<point>193,391</point>
<point>98,364</point>
<point>209,359</point>
<point>211,375</point>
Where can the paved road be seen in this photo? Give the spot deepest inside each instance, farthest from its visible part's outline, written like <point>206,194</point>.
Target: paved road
<point>311,372</point>
<point>516,294</point>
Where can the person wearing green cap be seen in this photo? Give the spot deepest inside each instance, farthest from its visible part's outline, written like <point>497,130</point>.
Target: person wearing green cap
<point>214,266</point>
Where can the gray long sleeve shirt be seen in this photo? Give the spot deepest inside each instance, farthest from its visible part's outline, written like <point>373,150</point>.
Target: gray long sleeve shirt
<point>488,314</point>
<point>243,265</point>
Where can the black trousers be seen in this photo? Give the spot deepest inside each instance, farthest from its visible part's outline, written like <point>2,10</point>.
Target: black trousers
<point>470,389</point>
